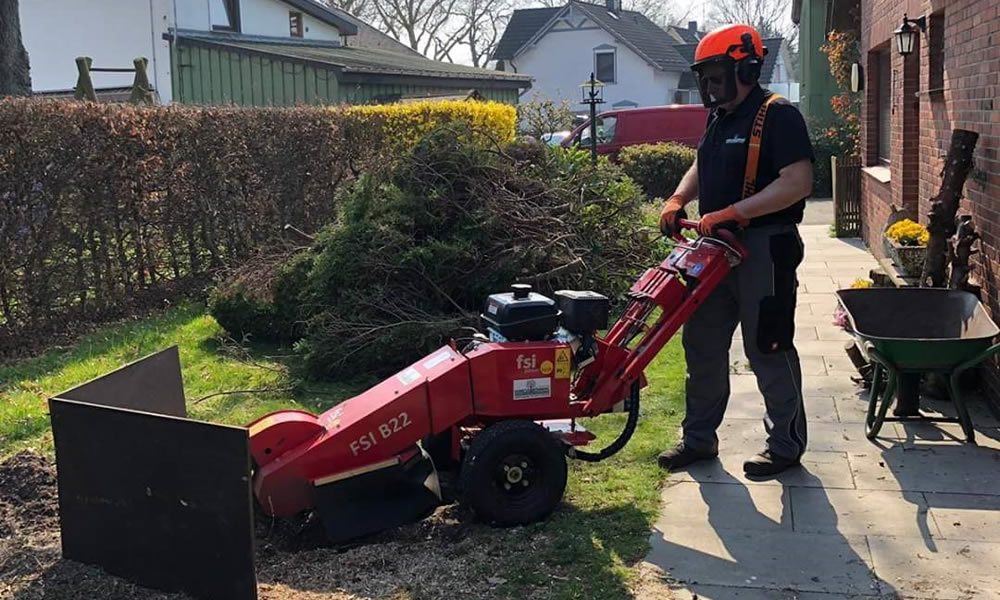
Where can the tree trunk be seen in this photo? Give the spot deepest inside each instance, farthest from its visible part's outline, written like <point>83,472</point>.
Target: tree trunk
<point>960,268</point>
<point>945,205</point>
<point>15,76</point>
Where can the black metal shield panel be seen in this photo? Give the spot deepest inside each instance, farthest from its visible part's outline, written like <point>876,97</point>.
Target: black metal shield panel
<point>150,384</point>
<point>164,502</point>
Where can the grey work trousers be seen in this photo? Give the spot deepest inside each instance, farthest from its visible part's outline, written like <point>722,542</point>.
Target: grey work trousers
<point>760,295</point>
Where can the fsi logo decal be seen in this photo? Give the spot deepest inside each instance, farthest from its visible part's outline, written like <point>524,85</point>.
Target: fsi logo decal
<point>526,363</point>
<point>527,389</point>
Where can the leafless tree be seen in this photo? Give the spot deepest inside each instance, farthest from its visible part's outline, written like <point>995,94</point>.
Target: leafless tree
<point>427,26</point>
<point>769,17</point>
<point>483,23</point>
<point>660,12</point>
<point>15,76</point>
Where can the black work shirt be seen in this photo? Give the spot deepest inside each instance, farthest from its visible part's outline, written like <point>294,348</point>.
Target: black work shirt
<point>722,155</point>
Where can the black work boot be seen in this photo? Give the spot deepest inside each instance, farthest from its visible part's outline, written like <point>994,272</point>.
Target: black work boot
<point>682,456</point>
<point>767,463</point>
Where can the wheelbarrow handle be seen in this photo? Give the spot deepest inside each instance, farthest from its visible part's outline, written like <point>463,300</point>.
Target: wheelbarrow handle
<point>876,356</point>
<point>976,360</point>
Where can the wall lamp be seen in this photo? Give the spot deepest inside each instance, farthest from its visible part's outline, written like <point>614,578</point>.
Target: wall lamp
<point>906,35</point>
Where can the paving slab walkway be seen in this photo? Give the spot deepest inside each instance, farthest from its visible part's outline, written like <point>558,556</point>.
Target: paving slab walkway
<point>914,514</point>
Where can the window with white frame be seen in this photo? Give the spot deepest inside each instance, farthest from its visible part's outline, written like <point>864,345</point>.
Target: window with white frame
<point>884,101</point>
<point>604,66</point>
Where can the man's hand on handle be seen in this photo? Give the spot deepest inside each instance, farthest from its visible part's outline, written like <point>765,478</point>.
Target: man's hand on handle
<point>673,211</point>
<point>710,222</point>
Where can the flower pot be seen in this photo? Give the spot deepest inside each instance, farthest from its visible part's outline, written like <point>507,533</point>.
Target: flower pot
<point>909,259</point>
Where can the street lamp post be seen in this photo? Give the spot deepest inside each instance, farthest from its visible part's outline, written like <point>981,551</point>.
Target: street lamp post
<point>593,94</point>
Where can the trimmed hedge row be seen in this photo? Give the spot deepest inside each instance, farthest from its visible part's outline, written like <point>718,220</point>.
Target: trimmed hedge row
<point>657,168</point>
<point>109,209</point>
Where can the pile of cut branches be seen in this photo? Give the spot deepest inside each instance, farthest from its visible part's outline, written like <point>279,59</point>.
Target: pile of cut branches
<point>419,246</point>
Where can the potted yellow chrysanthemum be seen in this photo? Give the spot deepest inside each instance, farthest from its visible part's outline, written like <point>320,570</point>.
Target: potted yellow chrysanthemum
<point>906,243</point>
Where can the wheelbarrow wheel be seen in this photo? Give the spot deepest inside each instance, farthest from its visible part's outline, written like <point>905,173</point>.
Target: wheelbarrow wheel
<point>877,410</point>
<point>514,473</point>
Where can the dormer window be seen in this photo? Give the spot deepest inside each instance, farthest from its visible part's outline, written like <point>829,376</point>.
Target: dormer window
<point>295,26</point>
<point>225,15</point>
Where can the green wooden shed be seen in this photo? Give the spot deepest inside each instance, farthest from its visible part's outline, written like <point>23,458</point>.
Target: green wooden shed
<point>214,68</point>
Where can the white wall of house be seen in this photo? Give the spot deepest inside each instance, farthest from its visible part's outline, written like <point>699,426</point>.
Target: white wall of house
<point>563,59</point>
<point>197,14</point>
<point>270,17</point>
<point>112,32</point>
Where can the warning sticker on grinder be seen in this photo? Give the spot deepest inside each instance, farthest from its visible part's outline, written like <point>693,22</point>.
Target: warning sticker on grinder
<point>562,363</point>
<point>527,389</point>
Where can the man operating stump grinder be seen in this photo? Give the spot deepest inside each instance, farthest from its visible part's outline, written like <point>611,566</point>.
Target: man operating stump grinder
<point>753,169</point>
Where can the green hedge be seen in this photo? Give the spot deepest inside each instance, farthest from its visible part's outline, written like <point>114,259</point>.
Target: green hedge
<point>657,168</point>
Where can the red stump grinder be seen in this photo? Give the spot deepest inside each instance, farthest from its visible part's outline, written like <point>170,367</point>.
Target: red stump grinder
<point>502,410</point>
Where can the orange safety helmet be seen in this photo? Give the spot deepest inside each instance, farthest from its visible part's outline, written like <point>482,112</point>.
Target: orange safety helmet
<point>739,49</point>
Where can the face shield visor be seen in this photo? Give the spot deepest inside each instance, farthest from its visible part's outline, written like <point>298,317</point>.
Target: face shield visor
<point>716,79</point>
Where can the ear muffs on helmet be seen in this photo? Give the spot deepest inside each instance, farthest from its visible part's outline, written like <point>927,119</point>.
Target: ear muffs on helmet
<point>748,69</point>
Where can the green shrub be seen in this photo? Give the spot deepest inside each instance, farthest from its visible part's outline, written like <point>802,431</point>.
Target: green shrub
<point>263,303</point>
<point>403,125</point>
<point>657,168</point>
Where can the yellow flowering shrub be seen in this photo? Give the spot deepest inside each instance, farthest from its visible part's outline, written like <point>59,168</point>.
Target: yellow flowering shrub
<point>402,125</point>
<point>908,233</point>
<point>862,283</point>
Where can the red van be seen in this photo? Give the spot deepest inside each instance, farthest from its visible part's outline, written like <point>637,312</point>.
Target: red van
<point>616,129</point>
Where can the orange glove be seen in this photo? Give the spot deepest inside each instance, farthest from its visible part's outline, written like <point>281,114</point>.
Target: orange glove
<point>712,220</point>
<point>672,211</point>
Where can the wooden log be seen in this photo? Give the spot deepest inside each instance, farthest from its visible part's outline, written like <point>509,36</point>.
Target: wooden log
<point>967,236</point>
<point>944,206</point>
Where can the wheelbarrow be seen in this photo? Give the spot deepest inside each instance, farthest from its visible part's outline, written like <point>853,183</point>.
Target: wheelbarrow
<point>918,330</point>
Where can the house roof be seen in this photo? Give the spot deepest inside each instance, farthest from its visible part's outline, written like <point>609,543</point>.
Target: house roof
<point>350,60</point>
<point>324,14</point>
<point>523,25</point>
<point>685,34</point>
<point>632,28</point>
<point>371,37</point>
<point>773,46</point>
<point>636,30</point>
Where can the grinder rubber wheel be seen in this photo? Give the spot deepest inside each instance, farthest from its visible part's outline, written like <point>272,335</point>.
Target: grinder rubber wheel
<point>514,473</point>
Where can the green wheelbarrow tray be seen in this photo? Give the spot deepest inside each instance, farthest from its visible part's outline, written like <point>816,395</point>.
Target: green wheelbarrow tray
<point>918,330</point>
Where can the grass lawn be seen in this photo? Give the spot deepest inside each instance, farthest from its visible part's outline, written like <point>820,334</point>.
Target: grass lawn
<point>588,549</point>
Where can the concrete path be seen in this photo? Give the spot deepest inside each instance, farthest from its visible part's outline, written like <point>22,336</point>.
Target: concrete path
<point>915,514</point>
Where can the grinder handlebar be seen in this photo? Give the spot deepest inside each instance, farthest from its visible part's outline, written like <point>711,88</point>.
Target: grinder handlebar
<point>723,232</point>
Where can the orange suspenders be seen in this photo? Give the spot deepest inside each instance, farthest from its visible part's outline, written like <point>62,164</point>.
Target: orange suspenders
<point>753,151</point>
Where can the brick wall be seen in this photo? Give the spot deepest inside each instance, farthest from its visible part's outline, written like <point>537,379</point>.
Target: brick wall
<point>925,110</point>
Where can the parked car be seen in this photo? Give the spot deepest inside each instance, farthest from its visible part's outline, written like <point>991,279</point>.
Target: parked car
<point>616,129</point>
<point>555,138</point>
